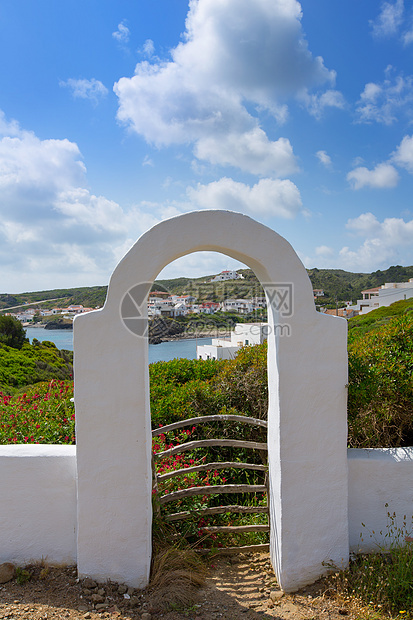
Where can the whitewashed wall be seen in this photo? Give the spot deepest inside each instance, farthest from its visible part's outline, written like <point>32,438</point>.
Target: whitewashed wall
<point>38,500</point>
<point>38,503</point>
<point>377,477</point>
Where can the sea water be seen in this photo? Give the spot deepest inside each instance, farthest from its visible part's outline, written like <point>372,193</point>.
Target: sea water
<point>163,352</point>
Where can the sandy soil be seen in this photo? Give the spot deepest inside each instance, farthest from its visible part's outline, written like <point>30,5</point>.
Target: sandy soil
<point>241,586</point>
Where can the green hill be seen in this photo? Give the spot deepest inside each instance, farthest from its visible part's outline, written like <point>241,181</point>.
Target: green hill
<point>362,324</point>
<point>338,286</point>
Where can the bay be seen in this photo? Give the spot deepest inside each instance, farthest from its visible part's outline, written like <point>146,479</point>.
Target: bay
<point>63,339</point>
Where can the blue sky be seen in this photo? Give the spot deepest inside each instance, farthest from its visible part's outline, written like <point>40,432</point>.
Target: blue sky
<point>116,115</point>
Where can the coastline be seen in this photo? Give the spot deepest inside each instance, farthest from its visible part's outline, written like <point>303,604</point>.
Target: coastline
<point>198,335</point>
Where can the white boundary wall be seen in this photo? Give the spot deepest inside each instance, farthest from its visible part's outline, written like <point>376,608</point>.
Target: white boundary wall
<point>38,503</point>
<point>38,500</point>
<point>377,477</point>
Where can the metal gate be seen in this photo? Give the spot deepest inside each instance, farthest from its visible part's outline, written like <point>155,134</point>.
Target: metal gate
<point>222,489</point>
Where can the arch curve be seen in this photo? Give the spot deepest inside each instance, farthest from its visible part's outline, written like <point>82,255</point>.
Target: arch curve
<point>307,408</point>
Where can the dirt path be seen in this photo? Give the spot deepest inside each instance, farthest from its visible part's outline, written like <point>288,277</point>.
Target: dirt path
<point>236,587</point>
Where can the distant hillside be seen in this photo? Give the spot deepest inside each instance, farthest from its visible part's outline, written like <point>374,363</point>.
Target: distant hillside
<point>338,286</point>
<point>91,297</point>
<point>346,286</point>
<point>362,324</point>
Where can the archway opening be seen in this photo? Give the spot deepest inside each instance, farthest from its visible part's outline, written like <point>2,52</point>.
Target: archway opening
<point>209,405</point>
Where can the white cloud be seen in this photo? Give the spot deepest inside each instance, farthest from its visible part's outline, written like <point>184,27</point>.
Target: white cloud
<point>389,19</point>
<point>122,33</point>
<point>198,97</point>
<point>365,224</point>
<point>385,242</point>
<point>324,159</point>
<point>148,48</point>
<point>408,36</point>
<point>324,251</point>
<point>8,128</point>
<point>92,89</point>
<point>384,175</point>
<point>403,155</point>
<point>32,171</point>
<point>52,226</point>
<point>260,53</point>
<point>391,22</point>
<point>268,197</point>
<point>55,230</point>
<point>316,103</point>
<point>250,151</point>
<point>147,161</point>
<point>383,102</point>
<point>87,217</point>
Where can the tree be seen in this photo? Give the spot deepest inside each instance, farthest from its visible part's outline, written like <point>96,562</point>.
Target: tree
<point>12,332</point>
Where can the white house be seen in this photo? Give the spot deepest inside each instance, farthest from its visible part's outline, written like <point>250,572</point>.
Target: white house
<point>243,334</point>
<point>180,309</point>
<point>23,317</point>
<point>384,295</point>
<point>188,300</point>
<point>227,275</point>
<point>241,306</point>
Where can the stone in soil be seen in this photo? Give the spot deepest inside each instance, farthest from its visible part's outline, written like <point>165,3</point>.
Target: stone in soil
<point>7,572</point>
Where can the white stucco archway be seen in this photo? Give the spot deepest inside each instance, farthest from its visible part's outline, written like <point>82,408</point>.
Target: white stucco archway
<point>306,418</point>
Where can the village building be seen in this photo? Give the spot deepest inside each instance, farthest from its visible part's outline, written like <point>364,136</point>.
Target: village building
<point>227,275</point>
<point>240,306</point>
<point>383,295</point>
<point>243,334</point>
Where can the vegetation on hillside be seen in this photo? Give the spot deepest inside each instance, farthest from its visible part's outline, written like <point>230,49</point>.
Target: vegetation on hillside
<point>345,286</point>
<point>88,296</point>
<point>338,286</point>
<point>12,332</point>
<point>22,363</point>
<point>376,318</point>
<point>32,363</point>
<point>380,392</point>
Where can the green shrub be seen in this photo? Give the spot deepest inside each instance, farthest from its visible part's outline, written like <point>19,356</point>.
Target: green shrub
<point>181,389</point>
<point>12,332</point>
<point>31,364</point>
<point>188,388</point>
<point>380,389</point>
<point>242,382</point>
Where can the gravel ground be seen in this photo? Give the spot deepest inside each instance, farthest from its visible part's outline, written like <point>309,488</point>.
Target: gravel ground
<point>240,586</point>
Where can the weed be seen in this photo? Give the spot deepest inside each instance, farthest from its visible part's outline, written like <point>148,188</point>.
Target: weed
<point>22,575</point>
<point>383,580</point>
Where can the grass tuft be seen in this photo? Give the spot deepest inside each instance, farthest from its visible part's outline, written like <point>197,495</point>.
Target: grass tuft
<point>178,567</point>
